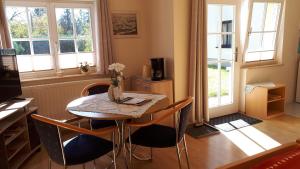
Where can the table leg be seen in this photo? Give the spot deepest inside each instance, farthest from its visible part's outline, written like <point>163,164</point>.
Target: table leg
<point>122,143</point>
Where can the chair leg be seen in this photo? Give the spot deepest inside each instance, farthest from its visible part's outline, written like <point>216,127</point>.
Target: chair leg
<point>49,163</point>
<point>114,151</point>
<point>94,162</point>
<point>178,155</point>
<point>186,152</point>
<point>130,147</point>
<point>151,153</point>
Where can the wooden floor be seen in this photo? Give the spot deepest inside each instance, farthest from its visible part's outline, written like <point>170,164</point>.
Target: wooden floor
<point>205,153</point>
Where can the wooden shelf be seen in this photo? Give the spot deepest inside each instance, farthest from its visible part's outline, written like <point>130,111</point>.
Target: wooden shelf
<point>14,136</point>
<point>275,100</point>
<point>16,149</point>
<point>19,159</point>
<point>265,103</point>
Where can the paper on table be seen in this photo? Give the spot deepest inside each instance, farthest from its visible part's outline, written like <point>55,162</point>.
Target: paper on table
<point>135,101</point>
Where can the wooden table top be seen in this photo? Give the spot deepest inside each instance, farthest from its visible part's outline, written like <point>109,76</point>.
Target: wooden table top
<point>108,116</point>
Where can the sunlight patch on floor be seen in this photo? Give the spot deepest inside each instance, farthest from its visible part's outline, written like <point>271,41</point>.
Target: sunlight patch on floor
<point>249,139</point>
<point>243,142</point>
<point>260,138</point>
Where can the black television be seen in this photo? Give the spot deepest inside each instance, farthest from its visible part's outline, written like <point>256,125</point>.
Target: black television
<point>10,85</point>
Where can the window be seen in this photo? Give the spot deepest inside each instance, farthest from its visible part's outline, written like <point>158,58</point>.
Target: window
<point>74,36</point>
<point>50,36</point>
<point>263,30</point>
<point>30,37</point>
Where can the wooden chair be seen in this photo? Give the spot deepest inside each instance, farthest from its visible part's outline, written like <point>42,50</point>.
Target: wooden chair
<point>85,147</point>
<point>98,88</point>
<point>154,135</point>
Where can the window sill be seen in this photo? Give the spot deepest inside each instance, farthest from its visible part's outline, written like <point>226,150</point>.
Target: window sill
<point>262,64</point>
<point>60,79</point>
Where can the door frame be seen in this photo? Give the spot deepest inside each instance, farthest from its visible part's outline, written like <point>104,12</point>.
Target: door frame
<point>234,107</point>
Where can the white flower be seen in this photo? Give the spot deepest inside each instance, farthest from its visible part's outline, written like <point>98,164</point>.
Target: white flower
<point>118,67</point>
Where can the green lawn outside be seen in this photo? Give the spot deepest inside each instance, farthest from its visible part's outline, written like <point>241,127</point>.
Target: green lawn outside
<point>213,78</point>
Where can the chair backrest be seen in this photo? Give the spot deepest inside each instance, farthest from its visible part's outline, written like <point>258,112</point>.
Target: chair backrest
<point>50,139</point>
<point>183,120</point>
<point>185,109</point>
<point>95,88</point>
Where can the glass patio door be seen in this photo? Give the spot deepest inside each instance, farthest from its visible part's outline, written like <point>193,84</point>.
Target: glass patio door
<point>223,68</point>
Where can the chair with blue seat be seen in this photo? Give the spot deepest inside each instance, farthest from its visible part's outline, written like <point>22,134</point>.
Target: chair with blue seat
<point>86,146</point>
<point>98,88</point>
<point>153,135</point>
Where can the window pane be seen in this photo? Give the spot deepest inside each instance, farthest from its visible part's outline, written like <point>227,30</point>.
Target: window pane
<point>64,22</point>
<point>82,22</point>
<point>17,20</point>
<point>255,42</point>
<point>226,83</point>
<point>84,45</point>
<point>213,46</point>
<point>68,61</point>
<point>67,46</point>
<point>22,47</point>
<point>258,16</point>
<point>41,47</point>
<point>213,84</point>
<point>252,57</point>
<point>267,55</point>
<point>42,62</point>
<point>214,18</point>
<point>39,22</point>
<point>87,57</point>
<point>269,41</point>
<point>227,18</point>
<point>26,65</point>
<point>228,47</point>
<point>272,16</point>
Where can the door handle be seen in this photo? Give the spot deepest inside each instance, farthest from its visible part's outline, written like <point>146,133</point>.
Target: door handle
<point>236,54</point>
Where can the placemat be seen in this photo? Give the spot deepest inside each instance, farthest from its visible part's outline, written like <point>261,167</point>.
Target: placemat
<point>101,103</point>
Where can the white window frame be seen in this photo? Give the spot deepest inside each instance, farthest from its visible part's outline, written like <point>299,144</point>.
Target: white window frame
<point>53,36</point>
<point>276,58</point>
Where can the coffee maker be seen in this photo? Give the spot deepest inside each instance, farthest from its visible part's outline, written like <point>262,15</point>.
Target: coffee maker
<point>157,69</point>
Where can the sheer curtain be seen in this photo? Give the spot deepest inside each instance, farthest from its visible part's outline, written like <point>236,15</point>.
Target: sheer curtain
<point>104,48</point>
<point>198,62</point>
<point>4,33</point>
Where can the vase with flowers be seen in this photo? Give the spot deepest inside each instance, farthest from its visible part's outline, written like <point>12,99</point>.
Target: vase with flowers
<point>84,67</point>
<point>115,92</point>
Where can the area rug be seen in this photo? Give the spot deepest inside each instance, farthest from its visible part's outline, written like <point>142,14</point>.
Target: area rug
<point>233,121</point>
<point>201,131</point>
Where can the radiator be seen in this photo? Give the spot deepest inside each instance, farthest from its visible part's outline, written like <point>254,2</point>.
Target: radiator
<point>52,99</point>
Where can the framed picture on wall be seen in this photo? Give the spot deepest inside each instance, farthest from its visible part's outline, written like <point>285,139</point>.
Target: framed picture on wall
<point>125,24</point>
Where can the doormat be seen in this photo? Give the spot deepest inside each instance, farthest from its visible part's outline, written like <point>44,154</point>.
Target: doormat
<point>233,121</point>
<point>201,131</point>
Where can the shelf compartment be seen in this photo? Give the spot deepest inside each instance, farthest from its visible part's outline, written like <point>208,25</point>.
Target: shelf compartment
<point>19,158</point>
<point>274,100</point>
<point>275,108</point>
<point>13,135</point>
<point>16,149</point>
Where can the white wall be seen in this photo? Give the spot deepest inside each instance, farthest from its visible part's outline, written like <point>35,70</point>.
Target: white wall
<point>133,52</point>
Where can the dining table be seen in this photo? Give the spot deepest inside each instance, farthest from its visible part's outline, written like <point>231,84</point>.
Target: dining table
<point>100,107</point>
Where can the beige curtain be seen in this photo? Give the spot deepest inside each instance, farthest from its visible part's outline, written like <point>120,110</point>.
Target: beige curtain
<point>198,62</point>
<point>104,36</point>
<point>4,33</point>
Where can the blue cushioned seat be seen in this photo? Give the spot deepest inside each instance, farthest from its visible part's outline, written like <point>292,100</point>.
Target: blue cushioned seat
<point>84,148</point>
<point>98,124</point>
<point>155,135</point>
